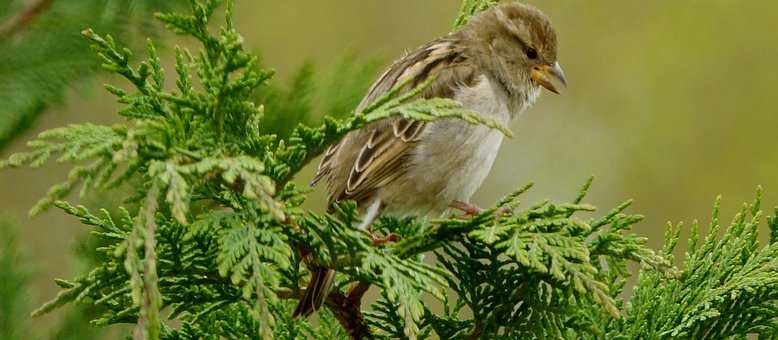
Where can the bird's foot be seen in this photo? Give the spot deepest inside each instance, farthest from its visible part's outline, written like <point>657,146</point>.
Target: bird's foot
<point>470,210</point>
<point>377,242</point>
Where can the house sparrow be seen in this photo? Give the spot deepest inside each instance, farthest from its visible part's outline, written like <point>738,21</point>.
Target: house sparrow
<point>494,65</point>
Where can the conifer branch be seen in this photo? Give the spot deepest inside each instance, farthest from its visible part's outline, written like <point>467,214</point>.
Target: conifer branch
<point>214,218</point>
<point>149,320</point>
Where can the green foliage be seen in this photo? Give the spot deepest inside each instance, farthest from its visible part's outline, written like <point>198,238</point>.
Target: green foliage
<point>729,285</point>
<point>40,60</point>
<point>15,295</point>
<point>336,93</point>
<point>213,233</point>
<point>13,302</point>
<point>472,7</point>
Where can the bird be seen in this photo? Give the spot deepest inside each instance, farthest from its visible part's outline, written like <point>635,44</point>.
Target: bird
<point>496,65</point>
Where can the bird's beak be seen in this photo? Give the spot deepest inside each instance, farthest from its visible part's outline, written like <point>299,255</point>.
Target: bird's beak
<point>543,75</point>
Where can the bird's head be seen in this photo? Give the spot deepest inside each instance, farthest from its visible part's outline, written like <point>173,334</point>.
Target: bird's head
<point>517,44</point>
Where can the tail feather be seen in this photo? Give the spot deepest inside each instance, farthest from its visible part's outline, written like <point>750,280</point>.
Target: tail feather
<point>316,293</point>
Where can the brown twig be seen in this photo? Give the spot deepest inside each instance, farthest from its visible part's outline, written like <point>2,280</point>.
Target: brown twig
<point>349,314</point>
<point>24,19</point>
<point>357,291</point>
<point>346,309</point>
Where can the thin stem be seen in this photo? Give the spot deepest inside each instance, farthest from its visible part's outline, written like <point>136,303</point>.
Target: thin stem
<point>148,322</point>
<point>24,19</point>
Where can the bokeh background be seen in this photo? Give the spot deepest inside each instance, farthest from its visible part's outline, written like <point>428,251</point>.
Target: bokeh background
<point>670,103</point>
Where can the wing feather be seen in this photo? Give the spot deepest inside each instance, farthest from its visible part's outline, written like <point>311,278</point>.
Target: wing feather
<point>378,154</point>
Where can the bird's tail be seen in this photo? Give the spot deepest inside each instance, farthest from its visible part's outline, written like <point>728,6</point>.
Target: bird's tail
<point>316,293</point>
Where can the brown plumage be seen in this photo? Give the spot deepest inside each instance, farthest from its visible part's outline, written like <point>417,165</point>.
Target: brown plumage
<point>385,146</point>
<point>493,65</point>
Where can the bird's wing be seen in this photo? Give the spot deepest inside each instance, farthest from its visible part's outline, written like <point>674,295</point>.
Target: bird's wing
<point>374,156</point>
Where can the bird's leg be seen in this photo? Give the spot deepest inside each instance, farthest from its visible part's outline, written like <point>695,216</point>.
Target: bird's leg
<point>469,209</point>
<point>371,214</point>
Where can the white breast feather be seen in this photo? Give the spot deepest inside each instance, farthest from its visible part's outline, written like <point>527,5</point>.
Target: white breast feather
<point>456,157</point>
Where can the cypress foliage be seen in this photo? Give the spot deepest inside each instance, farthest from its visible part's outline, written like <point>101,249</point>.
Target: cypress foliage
<point>42,54</point>
<point>210,233</point>
<point>13,303</point>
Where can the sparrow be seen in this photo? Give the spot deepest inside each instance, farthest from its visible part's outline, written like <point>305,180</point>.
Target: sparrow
<point>495,65</point>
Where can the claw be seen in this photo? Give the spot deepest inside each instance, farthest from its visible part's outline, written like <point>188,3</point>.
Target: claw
<point>388,239</point>
<point>468,209</point>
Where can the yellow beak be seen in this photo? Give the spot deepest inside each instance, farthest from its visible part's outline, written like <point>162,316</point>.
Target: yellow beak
<point>543,75</point>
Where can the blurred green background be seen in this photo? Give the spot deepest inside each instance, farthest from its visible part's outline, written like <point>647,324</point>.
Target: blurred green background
<point>669,103</point>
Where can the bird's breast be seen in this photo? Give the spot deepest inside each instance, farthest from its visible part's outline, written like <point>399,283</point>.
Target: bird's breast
<point>454,157</point>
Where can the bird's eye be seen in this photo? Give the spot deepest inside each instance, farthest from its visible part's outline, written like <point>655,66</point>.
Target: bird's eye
<point>531,53</point>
